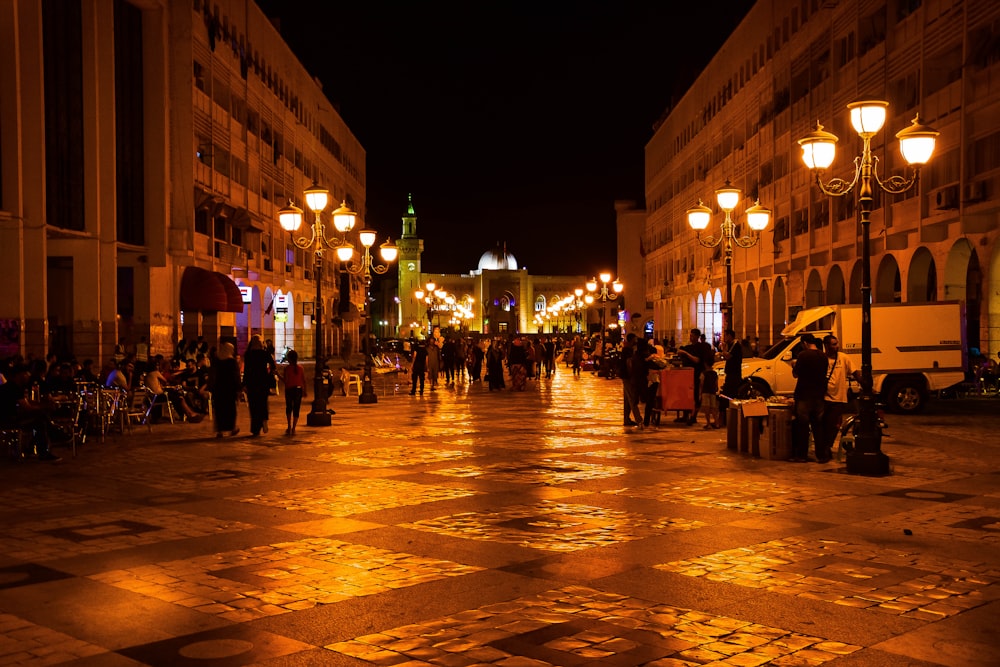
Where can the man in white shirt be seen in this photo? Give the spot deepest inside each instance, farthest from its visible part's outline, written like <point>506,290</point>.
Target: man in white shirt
<point>839,368</point>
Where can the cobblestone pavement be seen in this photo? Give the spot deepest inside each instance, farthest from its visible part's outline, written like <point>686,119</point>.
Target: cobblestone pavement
<point>468,527</point>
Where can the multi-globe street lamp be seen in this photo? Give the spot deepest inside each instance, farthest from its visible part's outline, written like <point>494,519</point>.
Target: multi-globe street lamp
<point>603,294</point>
<point>388,253</point>
<point>916,143</point>
<point>757,218</point>
<point>290,218</point>
<point>434,298</point>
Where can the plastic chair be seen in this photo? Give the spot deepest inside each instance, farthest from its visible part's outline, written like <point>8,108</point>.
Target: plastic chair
<point>353,379</point>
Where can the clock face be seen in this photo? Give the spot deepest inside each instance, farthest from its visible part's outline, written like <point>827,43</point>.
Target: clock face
<point>411,267</point>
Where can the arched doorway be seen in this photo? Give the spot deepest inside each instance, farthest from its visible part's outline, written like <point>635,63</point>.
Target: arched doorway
<point>854,294</point>
<point>737,323</point>
<point>887,287</point>
<point>963,281</point>
<point>751,312</point>
<point>779,309</point>
<point>835,289</point>
<point>764,314</point>
<point>814,290</point>
<point>921,279</point>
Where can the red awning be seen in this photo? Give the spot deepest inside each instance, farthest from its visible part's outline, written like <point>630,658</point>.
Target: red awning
<point>206,290</point>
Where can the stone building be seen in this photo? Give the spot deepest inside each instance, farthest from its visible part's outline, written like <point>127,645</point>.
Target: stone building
<point>145,148</point>
<point>787,65</point>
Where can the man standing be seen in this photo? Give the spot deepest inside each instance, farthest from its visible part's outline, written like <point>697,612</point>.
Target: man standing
<point>810,389</point>
<point>624,374</point>
<point>840,367</point>
<point>697,355</point>
<point>732,352</point>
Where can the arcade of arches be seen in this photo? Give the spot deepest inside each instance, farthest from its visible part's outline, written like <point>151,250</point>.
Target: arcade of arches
<point>761,308</point>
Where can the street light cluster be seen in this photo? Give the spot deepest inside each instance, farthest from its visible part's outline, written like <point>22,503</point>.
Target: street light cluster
<point>916,143</point>
<point>728,197</point>
<point>566,312</point>
<point>344,220</point>
<point>439,300</point>
<point>603,294</point>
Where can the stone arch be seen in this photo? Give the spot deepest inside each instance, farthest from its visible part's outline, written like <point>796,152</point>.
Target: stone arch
<point>993,305</point>
<point>836,291</point>
<point>737,323</point>
<point>854,294</point>
<point>887,283</point>
<point>963,281</point>
<point>699,320</point>
<point>814,290</point>
<point>921,278</point>
<point>779,308</point>
<point>751,312</point>
<point>764,314</point>
<point>714,322</point>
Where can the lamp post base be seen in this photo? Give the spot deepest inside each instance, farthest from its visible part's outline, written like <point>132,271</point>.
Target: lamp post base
<point>368,394</point>
<point>872,464</point>
<point>318,419</point>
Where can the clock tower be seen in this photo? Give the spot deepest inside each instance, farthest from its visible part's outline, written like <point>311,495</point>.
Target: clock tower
<point>410,250</point>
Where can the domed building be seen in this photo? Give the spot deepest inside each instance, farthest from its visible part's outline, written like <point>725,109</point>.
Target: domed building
<point>497,297</point>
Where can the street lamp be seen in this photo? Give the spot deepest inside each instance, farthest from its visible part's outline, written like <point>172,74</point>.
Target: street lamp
<point>757,218</point>
<point>604,294</point>
<point>388,252</point>
<point>290,218</point>
<point>434,298</point>
<point>916,143</point>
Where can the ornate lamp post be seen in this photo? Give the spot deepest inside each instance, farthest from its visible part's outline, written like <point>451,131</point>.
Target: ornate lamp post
<point>757,219</point>
<point>818,149</point>
<point>434,298</point>
<point>604,294</point>
<point>388,252</point>
<point>290,218</point>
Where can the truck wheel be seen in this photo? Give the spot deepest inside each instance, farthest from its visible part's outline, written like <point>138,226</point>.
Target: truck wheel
<point>751,389</point>
<point>906,397</point>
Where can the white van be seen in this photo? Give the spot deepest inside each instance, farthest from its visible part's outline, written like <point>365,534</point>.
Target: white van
<point>916,349</point>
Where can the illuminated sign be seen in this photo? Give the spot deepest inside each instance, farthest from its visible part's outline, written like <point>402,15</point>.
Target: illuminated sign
<point>247,293</point>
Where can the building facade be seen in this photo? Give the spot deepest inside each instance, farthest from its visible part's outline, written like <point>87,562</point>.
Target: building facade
<point>501,298</point>
<point>145,148</point>
<point>787,65</point>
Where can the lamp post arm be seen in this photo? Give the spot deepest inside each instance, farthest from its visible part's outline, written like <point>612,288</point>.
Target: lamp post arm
<point>710,241</point>
<point>895,185</point>
<point>747,241</point>
<point>838,187</point>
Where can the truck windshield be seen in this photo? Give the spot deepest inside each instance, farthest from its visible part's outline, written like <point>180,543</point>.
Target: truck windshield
<point>776,349</point>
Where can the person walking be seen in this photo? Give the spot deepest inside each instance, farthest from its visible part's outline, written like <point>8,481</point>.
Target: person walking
<point>295,390</point>
<point>224,381</point>
<point>433,360</point>
<point>418,367</point>
<point>258,374</point>
<point>577,355</point>
<point>840,367</point>
<point>625,373</point>
<point>636,383</point>
<point>810,370</point>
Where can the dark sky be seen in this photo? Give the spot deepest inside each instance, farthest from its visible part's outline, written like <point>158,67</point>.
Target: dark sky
<point>515,122</point>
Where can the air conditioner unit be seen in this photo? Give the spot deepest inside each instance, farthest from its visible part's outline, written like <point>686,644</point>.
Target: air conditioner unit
<point>974,191</point>
<point>946,197</point>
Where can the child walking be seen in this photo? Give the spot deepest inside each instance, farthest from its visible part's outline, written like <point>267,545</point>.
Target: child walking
<point>295,390</point>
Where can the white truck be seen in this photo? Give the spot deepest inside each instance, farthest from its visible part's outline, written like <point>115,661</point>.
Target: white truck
<point>916,349</point>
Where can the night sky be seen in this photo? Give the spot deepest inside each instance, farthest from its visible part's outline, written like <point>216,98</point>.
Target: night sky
<point>510,122</point>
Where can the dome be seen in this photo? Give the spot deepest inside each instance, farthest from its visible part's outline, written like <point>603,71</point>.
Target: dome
<point>497,259</point>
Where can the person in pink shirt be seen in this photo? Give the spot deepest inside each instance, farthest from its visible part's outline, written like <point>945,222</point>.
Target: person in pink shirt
<point>295,390</point>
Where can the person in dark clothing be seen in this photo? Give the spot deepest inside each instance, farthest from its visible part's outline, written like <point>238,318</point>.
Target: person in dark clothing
<point>18,410</point>
<point>224,380</point>
<point>732,352</point>
<point>258,376</point>
<point>636,384</point>
<point>697,355</point>
<point>624,372</point>
<point>418,367</point>
<point>810,389</point>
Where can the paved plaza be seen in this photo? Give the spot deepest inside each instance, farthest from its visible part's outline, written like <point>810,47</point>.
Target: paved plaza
<point>468,527</point>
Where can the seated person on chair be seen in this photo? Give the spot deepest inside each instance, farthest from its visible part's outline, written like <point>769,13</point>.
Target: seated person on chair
<point>193,381</point>
<point>19,411</point>
<point>61,382</point>
<point>156,385</point>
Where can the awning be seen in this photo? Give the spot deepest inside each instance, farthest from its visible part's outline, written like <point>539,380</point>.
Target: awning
<point>206,290</point>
